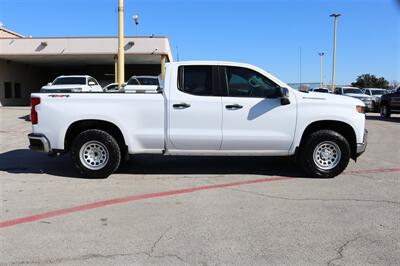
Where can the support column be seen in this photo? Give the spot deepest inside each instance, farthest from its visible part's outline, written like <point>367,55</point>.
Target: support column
<point>163,61</point>
<point>116,69</point>
<point>121,55</point>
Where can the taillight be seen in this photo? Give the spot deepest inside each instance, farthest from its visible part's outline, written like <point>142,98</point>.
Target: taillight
<point>34,115</point>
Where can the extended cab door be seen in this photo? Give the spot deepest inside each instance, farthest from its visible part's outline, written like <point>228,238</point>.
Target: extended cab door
<point>194,107</point>
<point>254,118</point>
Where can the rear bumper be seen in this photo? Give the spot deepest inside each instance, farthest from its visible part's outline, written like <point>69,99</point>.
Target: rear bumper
<point>362,146</point>
<point>39,142</point>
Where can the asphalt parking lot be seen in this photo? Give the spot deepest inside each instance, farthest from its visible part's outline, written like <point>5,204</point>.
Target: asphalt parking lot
<point>198,211</point>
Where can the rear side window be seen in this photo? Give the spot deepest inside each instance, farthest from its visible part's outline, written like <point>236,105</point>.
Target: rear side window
<point>196,80</point>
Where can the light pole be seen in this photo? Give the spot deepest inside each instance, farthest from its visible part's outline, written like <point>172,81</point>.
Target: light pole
<point>321,55</point>
<point>136,20</point>
<point>335,16</point>
<point>121,55</point>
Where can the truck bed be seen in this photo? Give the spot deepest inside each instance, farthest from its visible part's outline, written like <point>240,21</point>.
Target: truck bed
<point>142,114</point>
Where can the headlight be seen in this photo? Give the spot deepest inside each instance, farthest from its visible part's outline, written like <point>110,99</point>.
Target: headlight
<point>76,90</point>
<point>366,99</point>
<point>360,109</point>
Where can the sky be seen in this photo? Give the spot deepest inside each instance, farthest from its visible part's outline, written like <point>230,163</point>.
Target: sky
<point>283,37</point>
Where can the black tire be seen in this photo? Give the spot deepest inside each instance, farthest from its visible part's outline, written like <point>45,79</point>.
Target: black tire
<point>309,146</point>
<point>107,143</point>
<point>385,111</point>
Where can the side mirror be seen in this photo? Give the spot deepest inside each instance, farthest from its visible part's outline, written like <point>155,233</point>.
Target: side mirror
<point>124,84</point>
<point>91,83</point>
<point>159,90</point>
<point>284,96</point>
<point>49,84</point>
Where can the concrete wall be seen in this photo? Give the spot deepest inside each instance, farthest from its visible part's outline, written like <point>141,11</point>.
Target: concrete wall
<point>29,77</point>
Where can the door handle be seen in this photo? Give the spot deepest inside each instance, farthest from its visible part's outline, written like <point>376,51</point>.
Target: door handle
<point>181,105</point>
<point>233,106</point>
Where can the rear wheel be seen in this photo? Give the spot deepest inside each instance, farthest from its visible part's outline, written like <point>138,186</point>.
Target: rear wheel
<point>95,154</point>
<point>385,111</point>
<point>325,153</point>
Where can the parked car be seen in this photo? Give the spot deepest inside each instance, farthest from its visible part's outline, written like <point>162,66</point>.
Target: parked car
<point>376,95</point>
<point>73,84</point>
<point>356,93</point>
<point>390,104</point>
<point>111,87</point>
<point>323,90</point>
<point>203,108</point>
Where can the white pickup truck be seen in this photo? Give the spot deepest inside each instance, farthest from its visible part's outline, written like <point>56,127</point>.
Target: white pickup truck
<point>202,108</point>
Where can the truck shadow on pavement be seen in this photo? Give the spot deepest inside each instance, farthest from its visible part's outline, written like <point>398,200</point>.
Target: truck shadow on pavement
<point>24,161</point>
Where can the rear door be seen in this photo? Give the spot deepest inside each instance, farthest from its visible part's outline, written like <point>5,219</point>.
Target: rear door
<point>195,112</point>
<point>254,118</point>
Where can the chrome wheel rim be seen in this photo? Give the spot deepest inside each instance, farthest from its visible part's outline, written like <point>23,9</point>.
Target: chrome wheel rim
<point>327,155</point>
<point>94,155</point>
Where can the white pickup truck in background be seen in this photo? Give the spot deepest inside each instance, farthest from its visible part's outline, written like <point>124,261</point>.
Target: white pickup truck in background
<point>82,83</point>
<point>202,108</point>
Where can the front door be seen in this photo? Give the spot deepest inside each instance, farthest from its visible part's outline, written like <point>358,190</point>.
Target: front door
<point>254,118</point>
<point>195,115</point>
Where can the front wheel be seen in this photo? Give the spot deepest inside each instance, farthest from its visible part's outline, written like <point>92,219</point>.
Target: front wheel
<point>95,154</point>
<point>325,153</point>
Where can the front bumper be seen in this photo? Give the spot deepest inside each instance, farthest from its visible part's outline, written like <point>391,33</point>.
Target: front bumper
<point>369,105</point>
<point>39,142</point>
<point>362,146</point>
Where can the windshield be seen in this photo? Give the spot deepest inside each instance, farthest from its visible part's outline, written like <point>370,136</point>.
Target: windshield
<point>70,81</point>
<point>148,81</point>
<point>133,81</point>
<point>355,91</point>
<point>377,92</point>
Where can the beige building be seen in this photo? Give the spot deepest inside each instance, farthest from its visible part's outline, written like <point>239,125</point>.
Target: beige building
<point>6,33</point>
<point>26,63</point>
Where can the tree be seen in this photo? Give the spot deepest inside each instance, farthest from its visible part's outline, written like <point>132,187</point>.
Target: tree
<point>394,84</point>
<point>370,81</point>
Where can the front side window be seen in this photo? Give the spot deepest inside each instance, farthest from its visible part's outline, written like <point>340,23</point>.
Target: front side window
<point>196,80</point>
<point>243,82</point>
<point>355,91</point>
<point>377,92</point>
